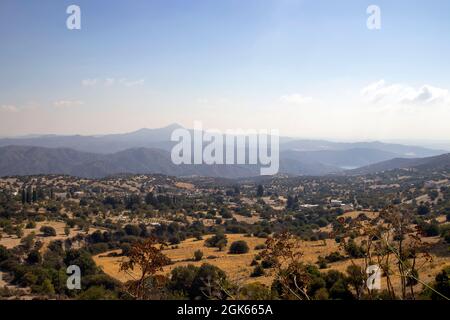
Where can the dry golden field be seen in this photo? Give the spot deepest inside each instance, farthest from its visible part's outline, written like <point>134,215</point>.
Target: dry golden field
<point>238,266</point>
<point>11,241</point>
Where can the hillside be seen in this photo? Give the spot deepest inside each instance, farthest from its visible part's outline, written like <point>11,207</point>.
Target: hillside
<point>26,160</point>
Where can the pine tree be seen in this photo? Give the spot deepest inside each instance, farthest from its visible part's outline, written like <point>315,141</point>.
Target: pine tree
<point>260,191</point>
<point>34,195</point>
<point>29,194</point>
<point>24,196</point>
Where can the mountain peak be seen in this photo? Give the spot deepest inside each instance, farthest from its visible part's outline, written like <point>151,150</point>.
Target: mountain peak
<point>173,126</point>
<point>169,127</point>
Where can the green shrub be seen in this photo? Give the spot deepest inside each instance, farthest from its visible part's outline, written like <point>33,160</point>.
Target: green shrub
<point>198,255</point>
<point>258,271</point>
<point>239,247</point>
<point>48,231</point>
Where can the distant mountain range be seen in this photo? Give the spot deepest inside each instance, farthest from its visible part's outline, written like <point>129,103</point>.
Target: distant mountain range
<point>148,151</point>
<point>23,160</point>
<point>441,162</point>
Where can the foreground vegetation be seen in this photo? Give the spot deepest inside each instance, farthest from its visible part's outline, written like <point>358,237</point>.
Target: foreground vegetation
<point>158,237</point>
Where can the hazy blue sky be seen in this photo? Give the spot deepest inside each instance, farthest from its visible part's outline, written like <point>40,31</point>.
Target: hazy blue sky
<point>309,68</point>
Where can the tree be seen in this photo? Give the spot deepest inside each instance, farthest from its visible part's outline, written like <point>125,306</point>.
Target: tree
<point>29,194</point>
<point>209,283</point>
<point>239,247</point>
<point>423,209</point>
<point>148,257</point>
<point>34,257</point>
<point>47,288</point>
<point>19,232</point>
<point>24,196</point>
<point>150,199</point>
<point>356,278</point>
<point>82,259</point>
<point>292,203</point>
<point>132,230</point>
<point>292,276</point>
<point>28,241</point>
<point>394,246</point>
<point>442,285</point>
<point>260,191</point>
<point>219,240</point>
<point>181,279</point>
<point>221,244</point>
<point>337,285</point>
<point>225,213</point>
<point>354,250</point>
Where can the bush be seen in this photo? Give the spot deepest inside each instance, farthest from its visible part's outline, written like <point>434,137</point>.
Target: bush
<point>48,231</point>
<point>174,240</point>
<point>429,229</point>
<point>132,230</point>
<point>239,247</point>
<point>260,247</point>
<point>4,253</point>
<point>268,263</point>
<point>125,247</point>
<point>322,262</point>
<point>198,255</point>
<point>46,288</point>
<point>334,257</point>
<point>97,248</point>
<point>258,271</point>
<point>353,250</point>
<point>101,280</point>
<point>442,284</point>
<point>30,225</point>
<point>446,236</point>
<point>226,214</point>
<point>255,291</point>
<point>97,293</point>
<point>423,210</point>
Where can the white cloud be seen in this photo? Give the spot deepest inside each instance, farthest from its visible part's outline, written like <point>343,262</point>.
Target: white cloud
<point>202,100</point>
<point>132,83</point>
<point>9,108</point>
<point>109,82</point>
<point>67,103</point>
<point>429,94</point>
<point>89,82</point>
<point>381,92</point>
<point>295,98</point>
